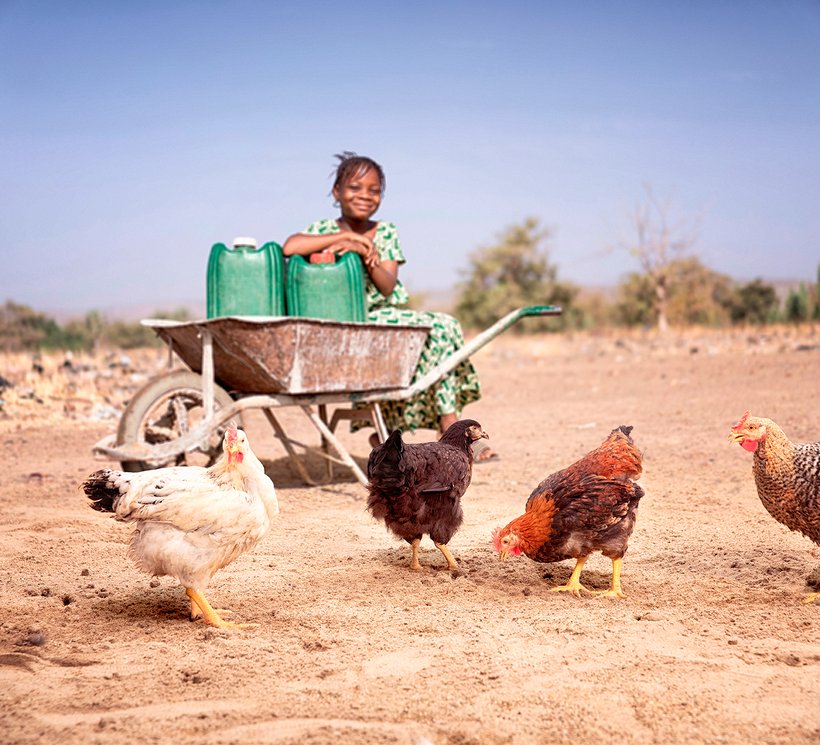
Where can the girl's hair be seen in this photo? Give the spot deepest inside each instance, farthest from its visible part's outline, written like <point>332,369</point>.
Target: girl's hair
<point>352,165</point>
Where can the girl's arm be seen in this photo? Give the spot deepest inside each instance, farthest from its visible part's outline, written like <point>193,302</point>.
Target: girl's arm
<point>384,275</point>
<point>305,244</point>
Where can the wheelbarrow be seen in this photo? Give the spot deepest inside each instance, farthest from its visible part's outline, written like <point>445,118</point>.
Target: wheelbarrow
<point>237,363</point>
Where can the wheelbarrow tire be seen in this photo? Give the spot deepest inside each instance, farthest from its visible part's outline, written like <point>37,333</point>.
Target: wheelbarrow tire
<point>180,390</point>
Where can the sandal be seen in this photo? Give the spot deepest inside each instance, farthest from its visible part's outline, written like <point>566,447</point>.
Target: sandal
<point>480,450</point>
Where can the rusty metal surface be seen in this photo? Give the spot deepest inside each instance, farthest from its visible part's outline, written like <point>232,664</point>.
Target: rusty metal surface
<point>299,355</point>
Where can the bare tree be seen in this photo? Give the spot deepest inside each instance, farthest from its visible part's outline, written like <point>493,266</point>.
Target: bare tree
<point>657,245</point>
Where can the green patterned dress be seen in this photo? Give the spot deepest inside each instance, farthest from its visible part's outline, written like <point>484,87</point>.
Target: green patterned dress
<point>456,389</point>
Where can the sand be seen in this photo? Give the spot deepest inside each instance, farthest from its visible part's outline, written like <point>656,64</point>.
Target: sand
<point>711,645</point>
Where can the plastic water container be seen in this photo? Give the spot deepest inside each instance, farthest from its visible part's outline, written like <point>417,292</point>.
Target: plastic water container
<point>246,280</point>
<point>328,289</point>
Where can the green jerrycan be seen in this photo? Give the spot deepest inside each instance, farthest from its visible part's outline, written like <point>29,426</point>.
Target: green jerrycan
<point>246,280</point>
<point>329,289</point>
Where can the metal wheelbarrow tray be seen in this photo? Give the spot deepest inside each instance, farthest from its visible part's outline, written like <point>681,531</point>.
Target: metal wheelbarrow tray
<point>295,356</point>
<point>238,363</point>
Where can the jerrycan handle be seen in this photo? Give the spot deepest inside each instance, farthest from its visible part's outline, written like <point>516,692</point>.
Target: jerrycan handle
<point>243,243</point>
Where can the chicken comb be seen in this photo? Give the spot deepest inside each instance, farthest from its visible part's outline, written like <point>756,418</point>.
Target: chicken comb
<point>746,415</point>
<point>497,539</point>
<point>231,434</point>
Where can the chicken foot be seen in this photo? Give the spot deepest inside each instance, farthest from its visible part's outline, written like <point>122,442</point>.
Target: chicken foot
<point>451,562</point>
<point>614,591</point>
<point>811,597</point>
<point>574,585</point>
<point>196,611</point>
<point>210,615</point>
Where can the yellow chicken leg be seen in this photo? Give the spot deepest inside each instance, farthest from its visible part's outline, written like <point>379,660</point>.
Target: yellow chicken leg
<point>574,584</point>
<point>615,591</point>
<point>414,559</point>
<point>451,562</point>
<point>211,616</point>
<point>811,597</point>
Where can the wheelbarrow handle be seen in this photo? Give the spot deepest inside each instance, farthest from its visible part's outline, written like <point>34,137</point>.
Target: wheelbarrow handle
<point>455,359</point>
<point>539,310</point>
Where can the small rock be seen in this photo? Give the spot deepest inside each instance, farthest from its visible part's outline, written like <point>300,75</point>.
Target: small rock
<point>651,615</point>
<point>34,639</point>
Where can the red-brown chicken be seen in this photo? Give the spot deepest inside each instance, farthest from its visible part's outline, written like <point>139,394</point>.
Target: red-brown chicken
<point>588,506</point>
<point>787,475</point>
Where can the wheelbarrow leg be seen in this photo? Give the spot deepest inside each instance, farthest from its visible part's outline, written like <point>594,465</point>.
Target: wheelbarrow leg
<point>378,421</point>
<point>294,457</point>
<point>328,462</point>
<point>340,449</point>
<point>372,414</point>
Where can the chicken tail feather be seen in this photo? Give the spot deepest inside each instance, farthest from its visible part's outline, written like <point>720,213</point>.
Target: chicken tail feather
<point>103,494</point>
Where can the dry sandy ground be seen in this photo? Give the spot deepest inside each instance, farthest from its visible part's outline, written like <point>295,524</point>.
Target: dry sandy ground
<point>712,644</point>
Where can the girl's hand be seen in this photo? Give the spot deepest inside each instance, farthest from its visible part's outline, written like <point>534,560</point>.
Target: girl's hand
<point>365,249</point>
<point>349,235</point>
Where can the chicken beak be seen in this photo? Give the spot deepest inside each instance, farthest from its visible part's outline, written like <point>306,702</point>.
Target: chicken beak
<point>503,554</point>
<point>483,435</point>
<point>736,436</point>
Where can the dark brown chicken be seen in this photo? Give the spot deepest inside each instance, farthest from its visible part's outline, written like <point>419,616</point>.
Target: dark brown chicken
<point>787,476</point>
<point>588,506</point>
<point>417,489</point>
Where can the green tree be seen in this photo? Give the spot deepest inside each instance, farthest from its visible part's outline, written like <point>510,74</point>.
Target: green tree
<point>797,305</point>
<point>635,301</point>
<point>816,314</point>
<point>513,273</point>
<point>22,328</point>
<point>698,295</point>
<point>753,302</point>
<point>695,294</point>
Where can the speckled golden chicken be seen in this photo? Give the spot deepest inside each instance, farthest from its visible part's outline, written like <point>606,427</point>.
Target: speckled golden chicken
<point>787,475</point>
<point>192,521</point>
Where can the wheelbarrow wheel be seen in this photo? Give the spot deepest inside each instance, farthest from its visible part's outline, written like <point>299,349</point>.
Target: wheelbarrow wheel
<point>164,410</point>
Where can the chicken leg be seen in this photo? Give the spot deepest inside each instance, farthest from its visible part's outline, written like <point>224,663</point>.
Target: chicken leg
<point>211,617</point>
<point>414,559</point>
<point>451,562</point>
<point>614,591</point>
<point>574,585</point>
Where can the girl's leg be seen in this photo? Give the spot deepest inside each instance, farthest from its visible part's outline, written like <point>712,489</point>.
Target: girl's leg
<point>445,421</point>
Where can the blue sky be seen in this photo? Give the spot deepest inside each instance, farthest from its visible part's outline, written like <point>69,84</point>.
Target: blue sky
<point>136,135</point>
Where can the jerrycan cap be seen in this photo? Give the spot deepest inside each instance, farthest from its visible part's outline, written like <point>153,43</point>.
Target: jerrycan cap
<point>244,242</point>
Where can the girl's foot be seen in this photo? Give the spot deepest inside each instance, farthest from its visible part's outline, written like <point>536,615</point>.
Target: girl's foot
<point>483,453</point>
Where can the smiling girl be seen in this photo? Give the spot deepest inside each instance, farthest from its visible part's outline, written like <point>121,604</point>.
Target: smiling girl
<point>358,190</point>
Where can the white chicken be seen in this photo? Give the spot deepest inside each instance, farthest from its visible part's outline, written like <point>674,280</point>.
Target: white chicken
<point>192,521</point>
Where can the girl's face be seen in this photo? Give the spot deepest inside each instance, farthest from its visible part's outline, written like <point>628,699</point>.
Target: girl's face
<point>360,196</point>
